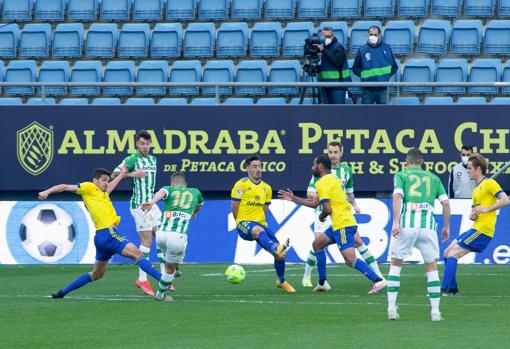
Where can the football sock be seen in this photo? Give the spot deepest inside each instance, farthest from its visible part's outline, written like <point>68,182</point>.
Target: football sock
<point>142,276</point>
<point>364,269</point>
<point>265,241</point>
<point>164,284</point>
<point>369,259</point>
<point>310,263</point>
<point>80,281</point>
<point>161,260</point>
<point>147,267</point>
<point>279,265</point>
<point>321,265</point>
<point>434,289</point>
<point>450,273</point>
<point>393,285</point>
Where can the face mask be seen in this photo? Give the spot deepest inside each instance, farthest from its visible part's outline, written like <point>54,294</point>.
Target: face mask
<point>465,160</point>
<point>373,39</point>
<point>328,41</point>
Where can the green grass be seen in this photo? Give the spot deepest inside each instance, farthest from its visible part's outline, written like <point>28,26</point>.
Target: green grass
<point>208,312</point>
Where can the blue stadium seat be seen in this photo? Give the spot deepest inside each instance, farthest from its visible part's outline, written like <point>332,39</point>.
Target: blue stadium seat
<point>505,76</point>
<point>346,8</point>
<point>218,71</point>
<point>479,8</point>
<point>173,101</point>
<point>41,101</point>
<point>497,38</point>
<point>504,8</point>
<point>379,8</point>
<point>413,8</point>
<point>446,8</point>
<point>340,30</point>
<point>152,71</point>
<point>185,71</point>
<point>451,70</point>
<point>54,71</point>
<point>247,9</point>
<point>466,37</point>
<point>86,71</point>
<point>74,101</point>
<point>139,101</point>
<point>106,101</point>
<point>68,40</point>
<point>484,70</point>
<point>9,38</point>
<point>17,10</point>
<point>251,71</point>
<point>166,40</point>
<point>238,101</point>
<point>119,71</point>
<point>394,78</point>
<point>35,41</point>
<point>306,101</point>
<point>134,40</point>
<point>50,10</point>
<point>438,101</point>
<point>181,10</point>
<point>284,71</point>
<point>82,10</point>
<point>213,10</point>
<point>280,9</point>
<point>200,40</point>
<point>313,9</point>
<point>434,37</point>
<point>11,101</point>
<point>359,34</point>
<point>266,38</point>
<point>272,101</point>
<point>2,66</point>
<point>20,71</point>
<point>148,10</point>
<point>419,70</point>
<point>400,36</point>
<point>500,100</point>
<point>232,40</point>
<point>405,101</point>
<point>101,40</point>
<point>116,10</point>
<point>472,100</point>
<point>204,101</point>
<point>294,38</point>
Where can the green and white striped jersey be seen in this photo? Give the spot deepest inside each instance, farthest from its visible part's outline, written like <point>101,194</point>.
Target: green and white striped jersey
<point>343,172</point>
<point>143,188</point>
<point>419,189</point>
<point>179,205</point>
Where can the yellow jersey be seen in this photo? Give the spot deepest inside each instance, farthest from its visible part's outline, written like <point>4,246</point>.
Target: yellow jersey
<point>99,205</point>
<point>485,194</point>
<point>331,188</point>
<point>252,197</point>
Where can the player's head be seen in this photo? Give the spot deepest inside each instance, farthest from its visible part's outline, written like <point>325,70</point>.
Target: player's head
<point>143,142</point>
<point>178,179</point>
<point>101,178</point>
<point>414,157</point>
<point>465,152</point>
<point>476,166</point>
<point>335,152</point>
<point>254,167</point>
<point>321,166</point>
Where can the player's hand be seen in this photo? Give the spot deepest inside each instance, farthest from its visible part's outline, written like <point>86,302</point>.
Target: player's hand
<point>322,217</point>
<point>445,233</point>
<point>286,194</point>
<point>481,209</point>
<point>146,206</point>
<point>356,209</point>
<point>138,174</point>
<point>473,215</point>
<point>395,229</point>
<point>43,195</point>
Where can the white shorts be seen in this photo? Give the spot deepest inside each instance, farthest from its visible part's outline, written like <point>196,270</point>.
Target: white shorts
<point>321,227</point>
<point>425,240</point>
<point>146,221</point>
<point>172,244</point>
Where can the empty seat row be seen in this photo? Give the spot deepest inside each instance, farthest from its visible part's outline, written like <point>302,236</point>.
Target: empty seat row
<point>449,101</point>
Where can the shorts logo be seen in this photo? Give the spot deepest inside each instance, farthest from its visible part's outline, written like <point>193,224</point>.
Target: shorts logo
<point>34,148</point>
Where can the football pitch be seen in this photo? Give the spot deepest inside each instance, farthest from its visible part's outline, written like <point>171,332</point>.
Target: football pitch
<point>208,312</point>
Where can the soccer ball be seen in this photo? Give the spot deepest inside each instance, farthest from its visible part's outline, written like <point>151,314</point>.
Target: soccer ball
<point>47,233</point>
<point>235,274</point>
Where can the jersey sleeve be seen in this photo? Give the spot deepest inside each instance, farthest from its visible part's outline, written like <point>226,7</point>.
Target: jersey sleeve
<point>237,191</point>
<point>311,185</point>
<point>349,186</point>
<point>322,192</point>
<point>200,198</point>
<point>398,184</point>
<point>441,191</point>
<point>85,188</point>
<point>269,195</point>
<point>494,188</point>
<point>167,189</point>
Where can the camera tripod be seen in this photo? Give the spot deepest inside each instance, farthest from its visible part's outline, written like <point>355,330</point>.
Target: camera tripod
<point>311,69</point>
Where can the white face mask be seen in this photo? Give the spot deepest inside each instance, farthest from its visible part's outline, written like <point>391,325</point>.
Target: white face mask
<point>328,41</point>
<point>465,160</point>
<point>373,39</point>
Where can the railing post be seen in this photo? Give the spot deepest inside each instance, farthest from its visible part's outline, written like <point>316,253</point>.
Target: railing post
<point>43,94</point>
<point>217,94</point>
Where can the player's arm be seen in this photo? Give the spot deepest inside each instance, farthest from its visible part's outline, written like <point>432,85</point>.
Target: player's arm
<point>349,188</point>
<point>289,196</point>
<point>445,232</point>
<point>502,202</point>
<point>113,184</point>
<point>398,195</point>
<point>199,206</point>
<point>236,195</point>
<point>326,210</point>
<point>43,195</point>
<point>130,173</point>
<point>160,195</point>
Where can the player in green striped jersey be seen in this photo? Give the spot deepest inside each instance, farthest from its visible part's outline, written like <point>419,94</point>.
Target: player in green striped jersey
<point>344,172</point>
<point>180,205</point>
<point>142,167</point>
<point>414,225</point>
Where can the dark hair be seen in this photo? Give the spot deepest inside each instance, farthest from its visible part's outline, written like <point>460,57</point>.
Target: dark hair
<point>324,160</point>
<point>328,28</point>
<point>467,147</point>
<point>414,156</point>
<point>376,27</point>
<point>250,159</point>
<point>98,172</point>
<point>178,176</point>
<point>143,134</point>
<point>336,144</point>
<point>478,160</point>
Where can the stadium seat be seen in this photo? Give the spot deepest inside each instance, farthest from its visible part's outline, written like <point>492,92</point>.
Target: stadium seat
<point>501,100</point>
<point>74,101</point>
<point>247,10</point>
<point>181,10</point>
<point>266,39</point>
<point>119,71</point>
<point>359,34</point>
<point>68,40</point>
<point>472,100</point>
<point>213,10</point>
<point>238,101</point>
<point>451,70</point>
<point>106,101</point>
<point>166,40</point>
<point>139,101</point>
<point>271,101</point>
<point>434,37</point>
<point>20,71</point>
<point>413,8</point>
<point>400,36</point>
<point>251,71</point>
<point>394,78</point>
<point>185,71</point>
<point>379,8</point>
<point>280,9</point>
<point>148,10</point>
<point>200,40</point>
<point>504,8</point>
<point>35,40</point>
<point>405,101</point>
<point>172,101</point>
<point>313,9</point>
<point>466,37</point>
<point>346,9</point>
<point>484,70</point>
<point>17,10</point>
<point>506,76</point>
<point>115,10</point>
<point>479,8</point>
<point>306,101</point>
<point>54,71</point>
<point>294,38</point>
<point>152,71</point>
<point>446,8</point>
<point>82,10</point>
<point>86,71</point>
<point>11,101</point>
<point>218,71</point>
<point>41,101</point>
<point>284,71</point>
<point>232,40</point>
<point>497,38</point>
<point>2,66</point>
<point>9,38</point>
<point>50,10</point>
<point>340,30</point>
<point>134,40</point>
<point>204,101</point>
<point>438,101</point>
<point>419,70</point>
<point>101,40</point>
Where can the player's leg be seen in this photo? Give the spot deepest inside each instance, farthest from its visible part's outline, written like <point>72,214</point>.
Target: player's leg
<point>279,265</point>
<point>131,251</point>
<point>311,261</point>
<point>156,221</point>
<point>143,223</point>
<point>452,288</point>
<point>367,256</point>
<point>428,245</point>
<point>173,244</point>
<point>267,240</point>
<point>82,280</point>
<point>321,241</point>
<point>393,287</point>
<point>460,248</point>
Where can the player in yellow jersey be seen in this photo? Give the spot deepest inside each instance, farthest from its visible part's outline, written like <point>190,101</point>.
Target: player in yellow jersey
<point>488,197</point>
<point>332,196</point>
<point>108,241</point>
<point>251,198</point>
